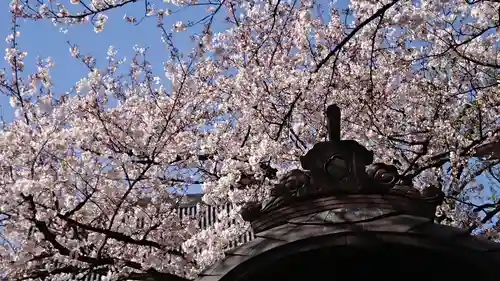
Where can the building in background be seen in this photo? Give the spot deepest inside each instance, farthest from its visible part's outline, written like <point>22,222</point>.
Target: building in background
<point>189,207</point>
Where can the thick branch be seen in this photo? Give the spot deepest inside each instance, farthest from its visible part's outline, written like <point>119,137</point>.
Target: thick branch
<point>120,236</point>
<point>344,41</point>
<point>51,238</point>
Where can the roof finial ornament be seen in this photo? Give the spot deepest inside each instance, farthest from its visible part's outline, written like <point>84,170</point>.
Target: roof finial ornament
<point>336,168</point>
<point>333,122</point>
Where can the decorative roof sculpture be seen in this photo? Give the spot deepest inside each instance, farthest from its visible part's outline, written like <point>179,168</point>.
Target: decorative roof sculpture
<point>340,183</point>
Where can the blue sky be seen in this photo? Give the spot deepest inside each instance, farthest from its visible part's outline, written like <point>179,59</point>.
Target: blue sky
<point>41,38</point>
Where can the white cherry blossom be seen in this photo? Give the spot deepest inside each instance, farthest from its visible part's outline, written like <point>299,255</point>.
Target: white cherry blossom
<point>90,178</point>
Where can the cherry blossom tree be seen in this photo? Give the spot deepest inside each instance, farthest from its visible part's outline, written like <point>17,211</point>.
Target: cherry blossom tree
<point>89,185</point>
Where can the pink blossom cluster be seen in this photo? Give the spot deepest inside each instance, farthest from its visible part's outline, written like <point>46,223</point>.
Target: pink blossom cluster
<point>89,179</point>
